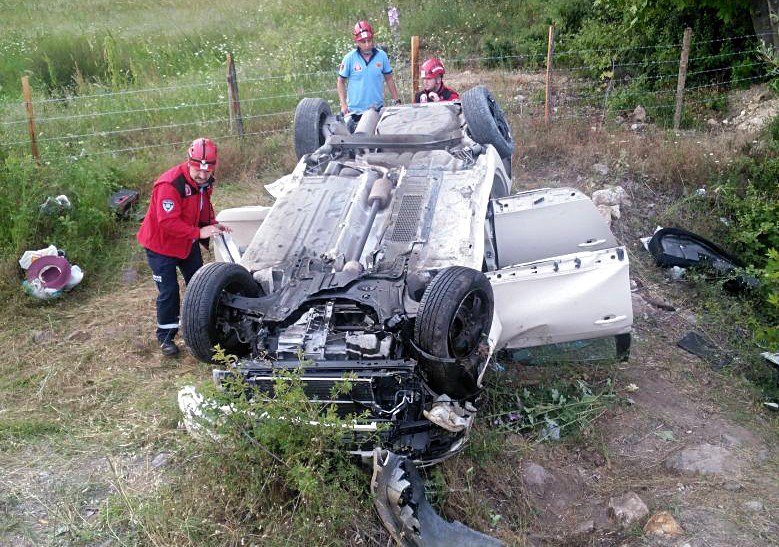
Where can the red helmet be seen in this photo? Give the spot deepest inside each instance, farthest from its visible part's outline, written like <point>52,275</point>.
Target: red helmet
<point>431,68</point>
<point>202,154</point>
<point>362,30</point>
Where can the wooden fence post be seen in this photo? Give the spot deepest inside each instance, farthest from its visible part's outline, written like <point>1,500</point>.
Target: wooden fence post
<point>414,66</point>
<point>549,55</point>
<point>236,121</point>
<point>682,76</point>
<point>27,93</point>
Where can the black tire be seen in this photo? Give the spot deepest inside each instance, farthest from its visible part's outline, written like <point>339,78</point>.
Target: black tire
<point>454,314</point>
<point>486,122</point>
<point>203,317</point>
<point>310,116</point>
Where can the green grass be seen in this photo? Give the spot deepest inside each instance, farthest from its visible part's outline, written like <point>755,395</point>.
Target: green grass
<point>13,432</point>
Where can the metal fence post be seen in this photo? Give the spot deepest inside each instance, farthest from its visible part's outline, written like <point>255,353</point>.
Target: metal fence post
<point>27,93</point>
<point>236,121</point>
<point>682,76</point>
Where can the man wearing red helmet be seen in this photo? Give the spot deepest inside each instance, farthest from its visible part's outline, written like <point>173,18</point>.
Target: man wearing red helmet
<point>180,214</point>
<point>432,73</point>
<point>366,67</point>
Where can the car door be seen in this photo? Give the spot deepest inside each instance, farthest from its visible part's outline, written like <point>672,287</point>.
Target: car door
<point>561,274</point>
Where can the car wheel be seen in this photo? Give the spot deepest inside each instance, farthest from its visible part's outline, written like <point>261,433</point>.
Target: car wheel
<point>205,321</point>
<point>310,116</point>
<point>454,315</point>
<point>486,122</point>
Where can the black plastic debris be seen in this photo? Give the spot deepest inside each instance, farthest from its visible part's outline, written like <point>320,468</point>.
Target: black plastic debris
<point>677,247</point>
<point>399,497</point>
<point>698,345</point>
<point>122,201</point>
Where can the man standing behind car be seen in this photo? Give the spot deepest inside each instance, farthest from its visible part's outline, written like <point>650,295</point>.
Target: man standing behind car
<point>180,214</point>
<point>432,73</point>
<point>366,67</point>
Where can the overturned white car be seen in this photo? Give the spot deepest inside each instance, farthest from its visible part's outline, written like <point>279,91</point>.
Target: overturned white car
<point>397,254</point>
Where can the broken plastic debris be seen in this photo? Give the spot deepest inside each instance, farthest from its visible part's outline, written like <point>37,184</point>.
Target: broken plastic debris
<point>399,496</point>
<point>630,388</point>
<point>771,405</point>
<point>449,415</point>
<point>35,288</point>
<point>29,256</point>
<point>698,345</point>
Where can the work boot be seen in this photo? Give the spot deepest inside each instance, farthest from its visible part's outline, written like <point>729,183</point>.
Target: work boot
<point>169,348</point>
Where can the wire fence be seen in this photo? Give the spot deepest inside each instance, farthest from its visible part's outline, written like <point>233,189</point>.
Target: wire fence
<point>128,121</point>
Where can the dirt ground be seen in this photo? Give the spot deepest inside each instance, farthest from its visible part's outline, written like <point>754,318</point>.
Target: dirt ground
<point>87,374</point>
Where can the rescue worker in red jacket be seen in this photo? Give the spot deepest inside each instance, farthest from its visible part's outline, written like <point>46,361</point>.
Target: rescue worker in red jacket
<point>180,215</point>
<point>432,73</point>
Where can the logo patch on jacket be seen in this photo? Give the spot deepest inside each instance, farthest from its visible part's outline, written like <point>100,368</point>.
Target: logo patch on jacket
<point>167,205</point>
<point>187,190</point>
<point>378,64</point>
<point>357,67</point>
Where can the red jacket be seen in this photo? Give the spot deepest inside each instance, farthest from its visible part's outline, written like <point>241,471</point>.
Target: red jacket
<point>177,210</point>
<point>443,93</point>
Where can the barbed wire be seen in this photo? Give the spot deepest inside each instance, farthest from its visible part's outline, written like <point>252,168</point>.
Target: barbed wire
<point>164,108</point>
<point>148,128</point>
<point>291,76</point>
<point>218,138</point>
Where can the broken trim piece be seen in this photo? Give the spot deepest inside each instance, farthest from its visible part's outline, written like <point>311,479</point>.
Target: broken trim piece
<point>399,497</point>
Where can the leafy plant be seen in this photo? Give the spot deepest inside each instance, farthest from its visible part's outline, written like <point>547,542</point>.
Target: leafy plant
<point>549,412</point>
<point>274,465</point>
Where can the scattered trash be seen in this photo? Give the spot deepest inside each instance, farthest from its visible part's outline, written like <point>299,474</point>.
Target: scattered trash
<point>29,256</point>
<point>631,388</point>
<point>122,201</point>
<point>48,273</point>
<point>697,345</point>
<point>449,415</point>
<point>700,192</point>
<point>54,206</point>
<point>771,405</point>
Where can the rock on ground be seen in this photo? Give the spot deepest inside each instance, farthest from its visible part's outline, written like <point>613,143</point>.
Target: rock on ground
<point>704,459</point>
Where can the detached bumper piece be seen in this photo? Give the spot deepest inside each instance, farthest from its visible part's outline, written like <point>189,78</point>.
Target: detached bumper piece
<point>399,497</point>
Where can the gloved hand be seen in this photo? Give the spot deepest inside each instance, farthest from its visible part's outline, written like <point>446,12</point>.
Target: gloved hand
<point>395,102</point>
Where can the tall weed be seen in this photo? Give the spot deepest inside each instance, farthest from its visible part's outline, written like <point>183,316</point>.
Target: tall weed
<point>277,474</point>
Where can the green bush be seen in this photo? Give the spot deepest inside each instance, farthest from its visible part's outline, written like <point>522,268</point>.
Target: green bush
<point>275,468</point>
<point>86,231</point>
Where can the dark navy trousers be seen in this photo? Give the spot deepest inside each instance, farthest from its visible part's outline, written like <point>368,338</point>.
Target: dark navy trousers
<point>163,270</point>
